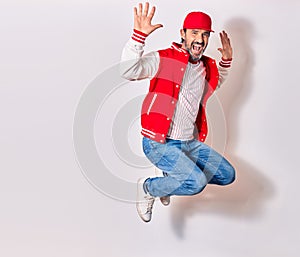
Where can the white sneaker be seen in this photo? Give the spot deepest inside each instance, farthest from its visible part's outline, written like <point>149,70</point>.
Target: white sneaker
<point>145,201</point>
<point>165,200</point>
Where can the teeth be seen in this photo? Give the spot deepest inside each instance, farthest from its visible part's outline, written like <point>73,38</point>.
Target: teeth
<point>197,48</point>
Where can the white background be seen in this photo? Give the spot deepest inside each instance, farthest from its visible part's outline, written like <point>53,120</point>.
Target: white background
<point>49,53</point>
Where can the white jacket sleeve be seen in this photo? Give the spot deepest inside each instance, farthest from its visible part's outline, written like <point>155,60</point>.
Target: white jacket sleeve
<point>224,68</point>
<point>134,65</point>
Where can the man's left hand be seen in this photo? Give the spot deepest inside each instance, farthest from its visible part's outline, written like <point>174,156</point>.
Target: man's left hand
<point>226,49</point>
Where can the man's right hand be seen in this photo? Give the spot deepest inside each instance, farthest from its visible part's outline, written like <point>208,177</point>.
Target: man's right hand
<point>142,19</point>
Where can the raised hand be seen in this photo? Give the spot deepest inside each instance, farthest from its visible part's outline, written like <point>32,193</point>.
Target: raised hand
<point>143,19</point>
<point>226,49</point>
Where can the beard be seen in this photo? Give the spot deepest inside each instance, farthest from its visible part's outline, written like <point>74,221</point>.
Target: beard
<point>193,58</point>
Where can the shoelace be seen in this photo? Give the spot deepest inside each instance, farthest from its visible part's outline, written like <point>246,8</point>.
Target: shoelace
<point>150,202</point>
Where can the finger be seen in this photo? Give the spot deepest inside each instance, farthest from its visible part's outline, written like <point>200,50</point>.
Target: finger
<point>140,9</point>
<point>145,13</point>
<point>225,36</point>
<point>135,12</point>
<point>225,39</point>
<point>152,12</point>
<point>222,38</point>
<point>157,26</point>
<point>228,41</point>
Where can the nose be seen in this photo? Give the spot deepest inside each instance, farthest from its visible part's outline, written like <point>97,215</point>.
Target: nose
<point>199,39</point>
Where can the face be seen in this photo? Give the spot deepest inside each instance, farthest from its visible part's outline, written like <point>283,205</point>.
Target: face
<point>195,42</point>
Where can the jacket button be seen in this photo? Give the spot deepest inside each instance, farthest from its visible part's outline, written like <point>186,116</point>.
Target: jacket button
<point>163,135</point>
<point>182,69</point>
<point>161,141</point>
<point>177,86</point>
<point>172,102</point>
<point>168,118</point>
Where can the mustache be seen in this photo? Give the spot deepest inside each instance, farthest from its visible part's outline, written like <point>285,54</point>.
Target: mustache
<point>198,43</point>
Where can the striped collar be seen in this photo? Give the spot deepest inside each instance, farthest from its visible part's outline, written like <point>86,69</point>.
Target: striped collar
<point>177,47</point>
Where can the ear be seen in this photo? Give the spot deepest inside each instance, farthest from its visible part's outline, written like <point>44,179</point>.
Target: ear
<point>182,33</point>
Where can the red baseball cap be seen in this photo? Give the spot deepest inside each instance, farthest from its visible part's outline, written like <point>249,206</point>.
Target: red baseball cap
<point>197,20</point>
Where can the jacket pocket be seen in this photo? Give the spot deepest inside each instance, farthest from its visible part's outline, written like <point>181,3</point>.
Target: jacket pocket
<point>151,103</point>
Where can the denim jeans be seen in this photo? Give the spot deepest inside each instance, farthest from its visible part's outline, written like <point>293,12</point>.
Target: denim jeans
<point>188,166</point>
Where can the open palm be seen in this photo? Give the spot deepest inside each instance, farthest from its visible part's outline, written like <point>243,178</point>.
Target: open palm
<point>143,19</point>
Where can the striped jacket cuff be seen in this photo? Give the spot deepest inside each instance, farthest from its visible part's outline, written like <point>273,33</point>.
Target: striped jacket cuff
<point>139,36</point>
<point>225,63</point>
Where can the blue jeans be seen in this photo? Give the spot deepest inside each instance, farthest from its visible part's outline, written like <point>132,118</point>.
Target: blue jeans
<point>188,166</point>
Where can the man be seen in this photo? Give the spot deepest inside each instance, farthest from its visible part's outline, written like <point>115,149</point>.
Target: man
<point>173,116</point>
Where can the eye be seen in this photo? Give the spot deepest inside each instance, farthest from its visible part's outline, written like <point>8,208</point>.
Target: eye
<point>206,34</point>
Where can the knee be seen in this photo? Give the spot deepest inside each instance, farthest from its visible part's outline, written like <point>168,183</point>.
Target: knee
<point>195,183</point>
<point>229,175</point>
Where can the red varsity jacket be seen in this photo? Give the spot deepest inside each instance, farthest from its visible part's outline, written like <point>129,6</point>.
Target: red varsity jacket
<point>160,102</point>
